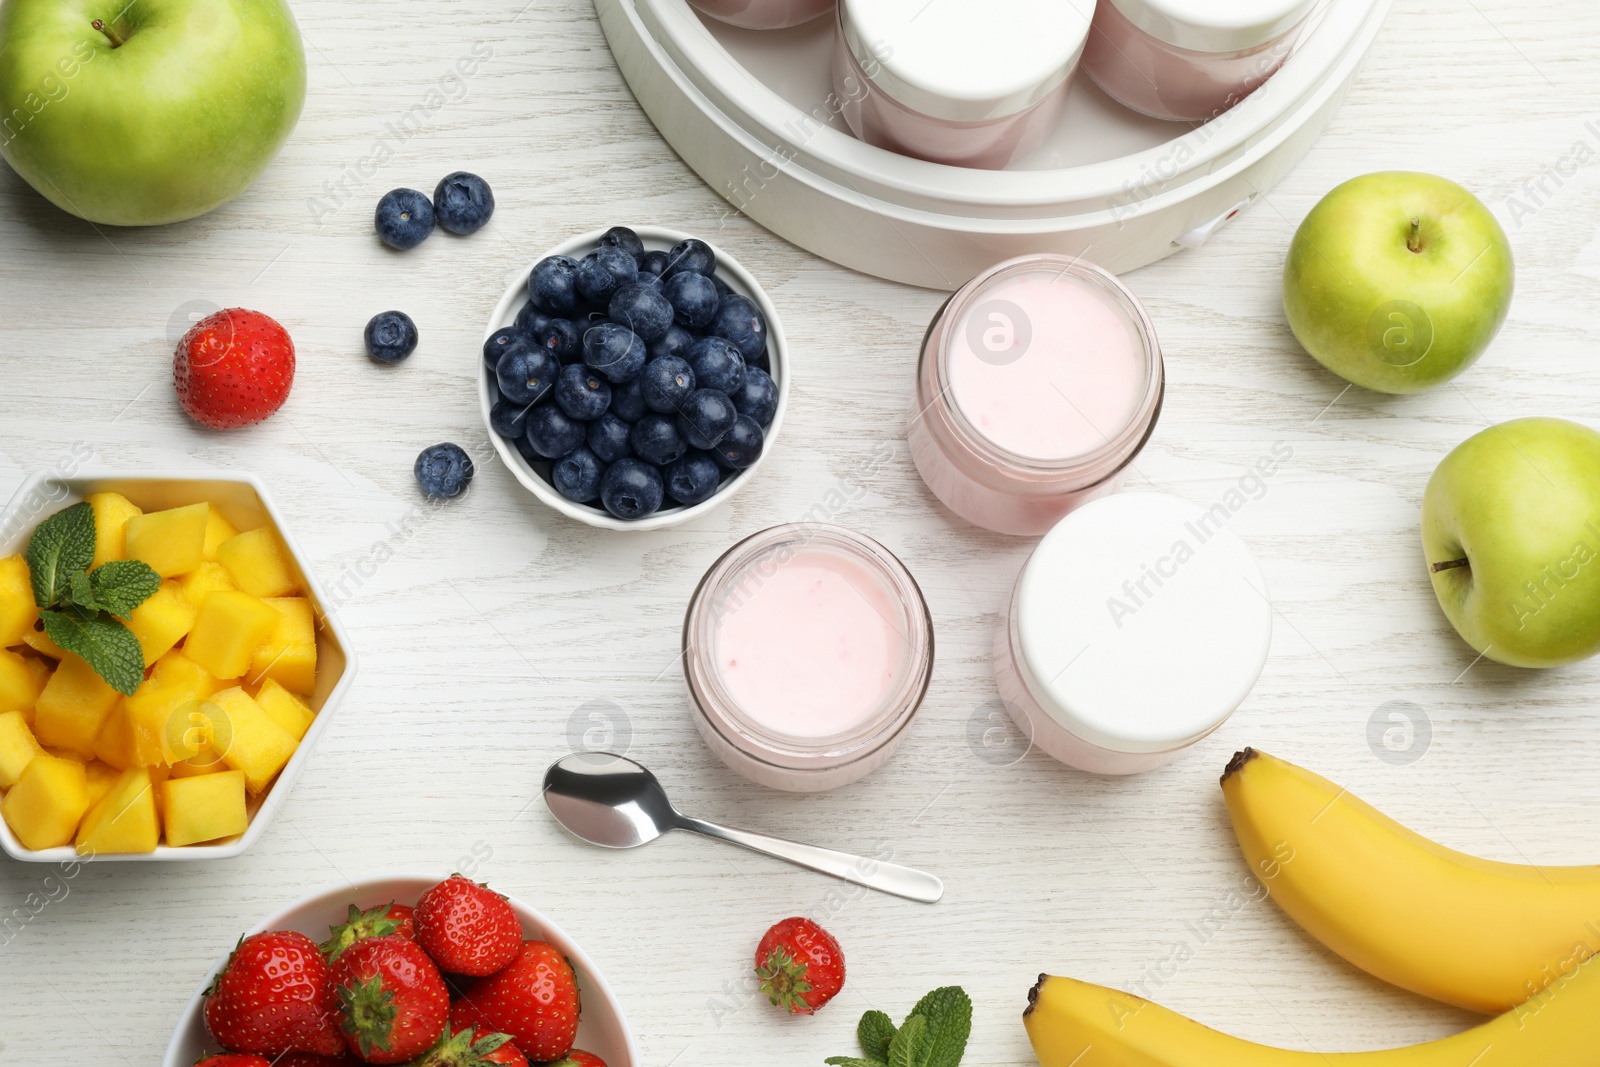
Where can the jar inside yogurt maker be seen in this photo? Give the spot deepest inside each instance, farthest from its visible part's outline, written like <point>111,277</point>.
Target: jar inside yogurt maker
<point>764,14</point>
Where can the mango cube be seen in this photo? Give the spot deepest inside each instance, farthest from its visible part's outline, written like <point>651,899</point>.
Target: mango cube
<point>258,563</point>
<point>162,621</point>
<point>17,747</point>
<point>172,541</point>
<point>207,762</point>
<point>290,654</point>
<point>40,642</point>
<point>124,819</point>
<point>19,683</point>
<point>203,808</point>
<point>229,628</point>
<point>44,807</point>
<point>218,530</point>
<point>255,743</point>
<point>73,707</point>
<point>111,514</point>
<point>17,609</point>
<point>204,579</point>
<point>99,778</point>
<point>169,724</point>
<point>175,670</point>
<point>114,745</point>
<point>285,709</point>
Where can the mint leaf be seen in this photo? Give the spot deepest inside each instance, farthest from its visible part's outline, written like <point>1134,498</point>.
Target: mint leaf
<point>61,544</point>
<point>907,1047</point>
<point>852,1061</point>
<point>80,592</point>
<point>105,644</point>
<point>875,1033</point>
<point>948,1011</point>
<point>121,585</point>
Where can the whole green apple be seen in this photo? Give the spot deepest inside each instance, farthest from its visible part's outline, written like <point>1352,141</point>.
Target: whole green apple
<point>150,111</point>
<point>1398,281</point>
<point>1511,535</point>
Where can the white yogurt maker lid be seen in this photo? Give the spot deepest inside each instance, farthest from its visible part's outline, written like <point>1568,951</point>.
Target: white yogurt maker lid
<point>1142,622</point>
<point>1214,25</point>
<point>966,60</point>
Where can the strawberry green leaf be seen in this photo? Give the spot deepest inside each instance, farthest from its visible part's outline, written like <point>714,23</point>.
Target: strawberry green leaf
<point>906,1050</point>
<point>60,545</point>
<point>104,643</point>
<point>875,1033</point>
<point>121,585</point>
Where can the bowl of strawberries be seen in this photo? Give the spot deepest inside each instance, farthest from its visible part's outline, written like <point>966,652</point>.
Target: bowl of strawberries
<point>404,969</point>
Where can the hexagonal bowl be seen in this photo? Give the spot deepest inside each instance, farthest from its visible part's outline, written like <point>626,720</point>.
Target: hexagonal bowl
<point>245,502</point>
<point>602,1028</point>
<point>537,481</point>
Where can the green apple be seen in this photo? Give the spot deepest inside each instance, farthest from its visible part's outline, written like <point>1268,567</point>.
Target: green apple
<point>1398,281</point>
<point>150,111</point>
<point>1511,535</point>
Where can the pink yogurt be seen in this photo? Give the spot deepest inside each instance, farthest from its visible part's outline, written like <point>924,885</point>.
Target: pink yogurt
<point>764,14</point>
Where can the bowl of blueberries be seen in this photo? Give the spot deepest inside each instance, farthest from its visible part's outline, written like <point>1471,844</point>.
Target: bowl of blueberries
<point>635,378</point>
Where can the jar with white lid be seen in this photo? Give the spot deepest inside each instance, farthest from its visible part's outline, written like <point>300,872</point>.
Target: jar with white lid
<point>764,14</point>
<point>1137,627</point>
<point>974,83</point>
<point>1190,60</point>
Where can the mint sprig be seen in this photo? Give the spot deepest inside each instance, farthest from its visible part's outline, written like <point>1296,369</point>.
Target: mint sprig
<point>934,1034</point>
<point>79,608</point>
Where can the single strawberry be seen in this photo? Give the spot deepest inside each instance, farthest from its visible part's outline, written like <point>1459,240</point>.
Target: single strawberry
<point>467,928</point>
<point>534,1000</point>
<point>381,921</point>
<point>799,966</point>
<point>463,1016</point>
<point>579,1058</point>
<point>234,1059</point>
<point>275,995</point>
<point>392,1000</point>
<point>465,1047</point>
<point>233,369</point>
<point>307,1059</point>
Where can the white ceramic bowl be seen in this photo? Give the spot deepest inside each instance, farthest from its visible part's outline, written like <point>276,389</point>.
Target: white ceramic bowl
<point>243,501</point>
<point>602,1028</point>
<point>536,479</point>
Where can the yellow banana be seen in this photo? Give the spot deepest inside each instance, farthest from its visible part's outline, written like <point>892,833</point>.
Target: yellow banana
<point>1467,931</point>
<point>1075,1024</point>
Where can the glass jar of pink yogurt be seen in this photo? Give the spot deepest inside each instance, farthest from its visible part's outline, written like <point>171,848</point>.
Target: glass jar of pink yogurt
<point>807,651</point>
<point>1190,60</point>
<point>764,14</point>
<point>1040,381</point>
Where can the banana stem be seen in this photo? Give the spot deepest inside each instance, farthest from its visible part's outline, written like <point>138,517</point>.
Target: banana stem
<point>1450,565</point>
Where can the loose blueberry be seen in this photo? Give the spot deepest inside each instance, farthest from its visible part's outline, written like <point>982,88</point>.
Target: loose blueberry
<point>706,417</point>
<point>627,401</point>
<point>693,298</point>
<point>602,272</point>
<point>577,476</point>
<point>693,479</point>
<point>550,433</point>
<point>631,489</point>
<point>675,342</point>
<point>553,285</point>
<point>666,382</point>
<point>443,470</point>
<point>562,339</point>
<point>757,396</point>
<point>404,218</point>
<point>582,393</point>
<point>391,336</point>
<point>615,351</point>
<point>717,365</point>
<point>655,262</point>
<point>624,240</point>
<point>642,310</point>
<point>693,256</point>
<point>608,437</point>
<point>741,445</point>
<point>741,323</point>
<point>462,202</point>
<point>657,439</point>
<point>509,419</point>
<point>530,320</point>
<point>501,342</point>
<point>525,375</point>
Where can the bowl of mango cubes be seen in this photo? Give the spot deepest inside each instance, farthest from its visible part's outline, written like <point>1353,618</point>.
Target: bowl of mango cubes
<point>167,665</point>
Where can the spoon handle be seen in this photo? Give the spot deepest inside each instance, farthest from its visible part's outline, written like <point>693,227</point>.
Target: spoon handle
<point>873,873</point>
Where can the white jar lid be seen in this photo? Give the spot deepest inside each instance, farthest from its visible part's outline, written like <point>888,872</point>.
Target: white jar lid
<point>1142,622</point>
<point>1214,25</point>
<point>966,60</point>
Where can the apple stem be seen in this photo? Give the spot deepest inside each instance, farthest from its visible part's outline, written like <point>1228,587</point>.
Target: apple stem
<point>1450,565</point>
<point>111,35</point>
<point>1414,241</point>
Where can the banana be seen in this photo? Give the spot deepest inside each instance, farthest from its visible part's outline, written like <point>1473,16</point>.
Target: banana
<point>1471,932</point>
<point>1075,1024</point>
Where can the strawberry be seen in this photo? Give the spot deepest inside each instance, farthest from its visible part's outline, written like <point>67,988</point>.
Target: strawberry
<point>234,1059</point>
<point>534,1000</point>
<point>467,928</point>
<point>306,1059</point>
<point>381,921</point>
<point>233,369</point>
<point>392,1000</point>
<point>799,966</point>
<point>465,1047</point>
<point>275,995</point>
<point>579,1058</point>
<point>463,1016</point>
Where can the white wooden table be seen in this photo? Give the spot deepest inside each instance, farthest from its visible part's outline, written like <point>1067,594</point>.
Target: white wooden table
<point>495,625</point>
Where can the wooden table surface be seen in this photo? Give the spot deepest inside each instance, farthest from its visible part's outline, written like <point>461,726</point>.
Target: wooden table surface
<point>497,632</point>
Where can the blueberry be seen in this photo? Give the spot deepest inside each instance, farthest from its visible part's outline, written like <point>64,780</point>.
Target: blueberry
<point>723,289</point>
<point>741,323</point>
<point>615,351</point>
<point>530,320</point>
<point>654,263</point>
<point>693,479</point>
<point>462,202</point>
<point>693,256</point>
<point>666,383</point>
<point>525,375</point>
<point>602,272</point>
<point>631,489</point>
<point>508,418</point>
<point>642,310</point>
<point>706,417</point>
<point>577,476</point>
<point>553,285</point>
<point>443,470</point>
<point>627,401</point>
<point>550,433</point>
<point>391,336</point>
<point>652,282</point>
<point>404,218</point>
<point>500,342</point>
<point>562,338</point>
<point>742,444</point>
<point>623,240</point>
<point>608,437</point>
<point>582,393</point>
<point>693,298</point>
<point>675,342</point>
<point>526,451</point>
<point>657,439</point>
<point>717,365</point>
<point>757,397</point>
